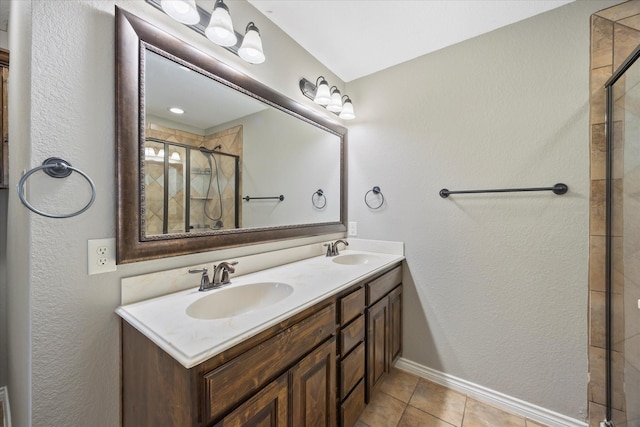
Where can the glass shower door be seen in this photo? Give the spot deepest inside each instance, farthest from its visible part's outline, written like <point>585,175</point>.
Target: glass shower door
<point>623,241</point>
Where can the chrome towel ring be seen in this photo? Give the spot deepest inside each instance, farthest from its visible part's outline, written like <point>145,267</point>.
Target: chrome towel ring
<point>57,168</point>
<point>376,191</point>
<point>318,199</point>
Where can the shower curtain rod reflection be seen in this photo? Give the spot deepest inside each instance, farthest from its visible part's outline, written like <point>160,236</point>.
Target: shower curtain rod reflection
<point>558,189</point>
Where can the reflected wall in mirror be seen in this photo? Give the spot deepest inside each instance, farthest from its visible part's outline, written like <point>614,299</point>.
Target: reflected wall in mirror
<point>207,175</point>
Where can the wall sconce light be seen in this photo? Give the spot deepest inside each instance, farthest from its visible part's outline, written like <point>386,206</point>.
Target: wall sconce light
<point>219,29</point>
<point>331,99</point>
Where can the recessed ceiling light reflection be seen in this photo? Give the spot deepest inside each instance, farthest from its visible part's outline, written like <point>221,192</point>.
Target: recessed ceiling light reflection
<point>176,110</point>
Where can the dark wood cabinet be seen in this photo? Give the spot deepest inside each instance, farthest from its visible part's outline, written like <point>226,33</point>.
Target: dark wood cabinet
<point>312,369</point>
<point>267,408</point>
<point>384,326</point>
<point>313,388</point>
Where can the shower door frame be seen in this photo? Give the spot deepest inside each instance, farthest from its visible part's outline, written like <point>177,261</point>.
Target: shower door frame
<point>608,86</point>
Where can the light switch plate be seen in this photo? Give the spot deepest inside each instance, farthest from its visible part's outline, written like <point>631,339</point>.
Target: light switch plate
<point>352,229</point>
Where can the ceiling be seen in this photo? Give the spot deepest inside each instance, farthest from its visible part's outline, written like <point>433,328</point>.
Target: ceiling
<point>354,38</point>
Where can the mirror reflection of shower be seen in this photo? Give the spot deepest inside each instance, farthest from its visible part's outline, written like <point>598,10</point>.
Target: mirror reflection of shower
<point>217,221</point>
<point>188,188</point>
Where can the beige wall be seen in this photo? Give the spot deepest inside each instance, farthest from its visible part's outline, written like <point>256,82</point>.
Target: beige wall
<point>496,284</point>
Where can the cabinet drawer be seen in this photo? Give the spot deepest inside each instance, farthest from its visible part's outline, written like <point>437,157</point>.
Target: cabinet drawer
<point>352,335</point>
<point>242,376</point>
<point>352,407</point>
<point>351,370</point>
<point>381,286</point>
<point>351,306</point>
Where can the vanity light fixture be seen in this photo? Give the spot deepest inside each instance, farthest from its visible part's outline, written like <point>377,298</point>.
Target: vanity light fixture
<point>331,99</point>
<point>251,48</point>
<point>184,11</point>
<point>347,109</point>
<point>335,104</point>
<point>219,29</point>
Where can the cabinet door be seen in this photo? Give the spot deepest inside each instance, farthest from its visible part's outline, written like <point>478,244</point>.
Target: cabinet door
<point>377,343</point>
<point>313,388</point>
<point>267,408</point>
<point>395,324</point>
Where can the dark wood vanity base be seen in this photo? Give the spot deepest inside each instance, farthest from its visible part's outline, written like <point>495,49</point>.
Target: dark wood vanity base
<point>314,368</point>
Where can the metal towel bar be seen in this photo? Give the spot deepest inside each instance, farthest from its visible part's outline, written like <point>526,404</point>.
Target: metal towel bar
<point>558,189</point>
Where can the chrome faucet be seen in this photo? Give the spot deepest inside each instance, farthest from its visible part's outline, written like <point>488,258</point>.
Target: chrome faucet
<point>220,275</point>
<point>332,248</point>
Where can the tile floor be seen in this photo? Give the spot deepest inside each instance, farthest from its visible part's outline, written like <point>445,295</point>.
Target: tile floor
<point>405,400</point>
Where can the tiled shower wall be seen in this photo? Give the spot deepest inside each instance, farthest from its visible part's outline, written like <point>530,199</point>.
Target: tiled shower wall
<point>232,143</point>
<point>615,33</point>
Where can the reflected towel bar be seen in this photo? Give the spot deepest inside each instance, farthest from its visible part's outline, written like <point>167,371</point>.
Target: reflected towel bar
<point>280,197</point>
<point>558,189</point>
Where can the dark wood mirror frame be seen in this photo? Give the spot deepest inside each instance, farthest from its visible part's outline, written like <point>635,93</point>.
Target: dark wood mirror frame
<point>133,36</point>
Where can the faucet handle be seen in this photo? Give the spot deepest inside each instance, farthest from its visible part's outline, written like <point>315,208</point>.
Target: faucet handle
<point>204,280</point>
<point>329,249</point>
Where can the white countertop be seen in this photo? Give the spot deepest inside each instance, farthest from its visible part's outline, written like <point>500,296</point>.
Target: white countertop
<point>190,341</point>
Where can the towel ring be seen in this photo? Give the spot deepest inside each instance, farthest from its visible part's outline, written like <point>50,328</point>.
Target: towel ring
<point>375,190</point>
<point>320,197</point>
<point>55,167</point>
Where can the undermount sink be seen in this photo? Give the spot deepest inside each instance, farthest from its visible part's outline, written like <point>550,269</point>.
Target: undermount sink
<point>353,259</point>
<point>238,300</point>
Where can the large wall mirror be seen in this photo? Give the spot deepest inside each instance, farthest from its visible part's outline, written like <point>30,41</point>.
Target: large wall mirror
<point>208,158</point>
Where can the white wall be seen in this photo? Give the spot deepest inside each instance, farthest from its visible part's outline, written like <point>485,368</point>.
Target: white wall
<point>496,284</point>
<point>64,338</point>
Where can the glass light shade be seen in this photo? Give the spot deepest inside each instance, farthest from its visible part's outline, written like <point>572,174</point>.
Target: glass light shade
<point>184,11</point>
<point>175,156</point>
<point>161,153</point>
<point>220,28</point>
<point>347,110</point>
<point>251,49</point>
<point>149,152</point>
<point>323,96</point>
<point>335,104</point>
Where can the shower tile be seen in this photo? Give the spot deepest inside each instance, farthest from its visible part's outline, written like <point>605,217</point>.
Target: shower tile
<point>597,380</point>
<point>597,208</point>
<point>598,77</point>
<point>601,42</point>
<point>479,414</point>
<point>617,226</point>
<point>440,401</point>
<point>621,11</point>
<point>597,251</point>
<point>530,423</point>
<point>598,152</point>
<point>597,375</point>
<point>632,22</point>
<point>618,272</point>
<point>626,40</point>
<point>597,302</point>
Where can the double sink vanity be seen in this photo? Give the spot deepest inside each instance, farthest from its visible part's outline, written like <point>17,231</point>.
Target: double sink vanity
<point>298,338</point>
<point>303,343</point>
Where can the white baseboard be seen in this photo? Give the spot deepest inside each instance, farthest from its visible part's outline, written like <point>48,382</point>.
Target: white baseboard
<point>500,400</point>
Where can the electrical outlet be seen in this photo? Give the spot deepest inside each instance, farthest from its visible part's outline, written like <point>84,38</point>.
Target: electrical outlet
<point>101,256</point>
<point>353,229</point>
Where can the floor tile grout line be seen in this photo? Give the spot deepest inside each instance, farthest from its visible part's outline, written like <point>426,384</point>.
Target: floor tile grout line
<point>464,411</point>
